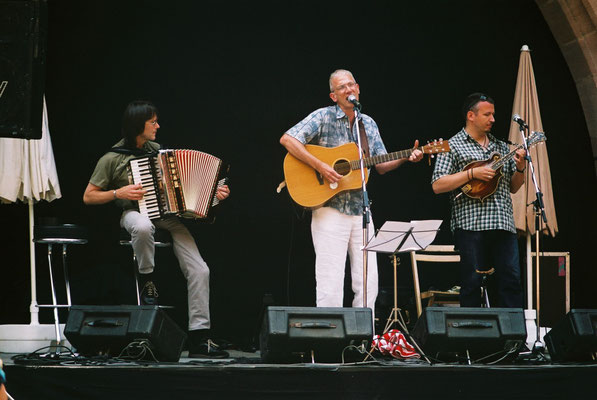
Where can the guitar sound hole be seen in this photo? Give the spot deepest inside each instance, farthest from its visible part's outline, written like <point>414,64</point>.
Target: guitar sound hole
<point>342,167</point>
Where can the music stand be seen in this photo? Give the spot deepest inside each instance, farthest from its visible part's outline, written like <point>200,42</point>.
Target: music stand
<point>400,237</point>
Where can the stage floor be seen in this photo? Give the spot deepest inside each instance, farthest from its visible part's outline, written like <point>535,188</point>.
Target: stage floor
<point>243,376</point>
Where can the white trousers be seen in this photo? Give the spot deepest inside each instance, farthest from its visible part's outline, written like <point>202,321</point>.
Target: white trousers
<point>191,263</point>
<point>334,235</point>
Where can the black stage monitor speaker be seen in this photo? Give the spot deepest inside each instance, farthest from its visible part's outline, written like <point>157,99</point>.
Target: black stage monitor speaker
<point>94,330</point>
<point>481,331</point>
<point>290,334</point>
<point>23,31</point>
<point>574,338</point>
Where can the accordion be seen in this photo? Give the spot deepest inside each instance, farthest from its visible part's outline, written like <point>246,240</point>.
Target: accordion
<point>178,182</point>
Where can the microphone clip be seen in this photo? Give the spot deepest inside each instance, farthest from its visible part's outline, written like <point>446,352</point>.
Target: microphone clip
<point>516,118</point>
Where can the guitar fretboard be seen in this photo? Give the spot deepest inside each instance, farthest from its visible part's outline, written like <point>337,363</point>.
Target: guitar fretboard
<point>370,161</point>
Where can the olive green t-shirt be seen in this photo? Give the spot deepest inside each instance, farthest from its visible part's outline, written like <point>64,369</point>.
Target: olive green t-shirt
<point>110,172</point>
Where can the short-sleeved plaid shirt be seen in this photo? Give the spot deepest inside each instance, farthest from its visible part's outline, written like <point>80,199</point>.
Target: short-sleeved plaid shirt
<point>495,212</point>
<point>329,127</point>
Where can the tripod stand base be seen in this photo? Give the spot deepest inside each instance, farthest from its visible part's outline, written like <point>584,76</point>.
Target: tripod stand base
<point>395,320</point>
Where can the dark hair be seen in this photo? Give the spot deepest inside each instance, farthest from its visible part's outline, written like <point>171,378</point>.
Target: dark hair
<point>471,102</point>
<point>134,118</point>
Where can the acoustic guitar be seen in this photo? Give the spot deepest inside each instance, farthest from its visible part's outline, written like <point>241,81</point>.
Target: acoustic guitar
<point>478,189</point>
<point>309,189</point>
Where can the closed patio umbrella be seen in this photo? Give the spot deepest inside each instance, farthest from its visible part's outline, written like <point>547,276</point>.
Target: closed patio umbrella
<point>28,174</point>
<point>526,105</point>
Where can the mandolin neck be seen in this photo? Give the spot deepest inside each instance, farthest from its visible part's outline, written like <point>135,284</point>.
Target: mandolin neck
<point>499,163</point>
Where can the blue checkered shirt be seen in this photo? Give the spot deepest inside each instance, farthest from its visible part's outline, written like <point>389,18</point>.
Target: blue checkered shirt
<point>495,212</point>
<point>329,127</point>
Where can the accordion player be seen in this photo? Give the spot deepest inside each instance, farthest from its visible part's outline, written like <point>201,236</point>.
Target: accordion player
<point>178,182</point>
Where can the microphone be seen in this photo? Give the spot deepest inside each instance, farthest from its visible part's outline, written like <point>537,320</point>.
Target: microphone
<point>516,118</point>
<point>354,101</point>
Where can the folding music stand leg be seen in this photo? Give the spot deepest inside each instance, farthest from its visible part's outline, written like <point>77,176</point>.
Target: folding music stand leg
<point>393,317</point>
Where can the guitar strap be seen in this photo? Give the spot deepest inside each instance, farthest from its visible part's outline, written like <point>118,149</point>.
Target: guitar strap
<point>363,134</point>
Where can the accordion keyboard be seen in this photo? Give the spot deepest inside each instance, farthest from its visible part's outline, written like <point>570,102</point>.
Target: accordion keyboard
<point>141,172</point>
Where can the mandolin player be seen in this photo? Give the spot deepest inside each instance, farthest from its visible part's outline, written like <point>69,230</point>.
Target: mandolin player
<point>483,224</point>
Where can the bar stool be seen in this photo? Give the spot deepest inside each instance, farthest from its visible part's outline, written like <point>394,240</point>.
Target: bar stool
<point>161,238</point>
<point>63,234</point>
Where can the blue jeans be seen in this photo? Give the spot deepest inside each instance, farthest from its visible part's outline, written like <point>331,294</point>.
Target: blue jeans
<point>484,250</point>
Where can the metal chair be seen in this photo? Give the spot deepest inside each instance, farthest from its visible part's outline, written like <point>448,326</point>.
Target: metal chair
<point>161,238</point>
<point>64,234</point>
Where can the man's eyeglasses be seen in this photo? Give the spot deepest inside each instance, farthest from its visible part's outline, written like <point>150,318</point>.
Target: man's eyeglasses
<point>342,88</point>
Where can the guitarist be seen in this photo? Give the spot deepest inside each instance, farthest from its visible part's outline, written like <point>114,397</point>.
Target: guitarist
<point>336,227</point>
<point>484,231</point>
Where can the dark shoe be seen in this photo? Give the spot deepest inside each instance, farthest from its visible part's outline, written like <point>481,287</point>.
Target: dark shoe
<point>149,294</point>
<point>206,349</point>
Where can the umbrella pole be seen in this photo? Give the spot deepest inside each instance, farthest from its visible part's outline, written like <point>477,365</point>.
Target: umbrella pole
<point>33,307</point>
<point>529,273</point>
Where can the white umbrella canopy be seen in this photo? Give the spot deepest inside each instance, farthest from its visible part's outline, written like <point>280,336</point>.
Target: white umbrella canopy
<point>27,168</point>
<point>28,174</point>
<point>526,104</point>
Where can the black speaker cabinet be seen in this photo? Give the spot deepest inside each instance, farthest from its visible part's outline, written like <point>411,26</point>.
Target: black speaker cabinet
<point>574,338</point>
<point>94,330</point>
<point>481,331</point>
<point>23,32</point>
<point>290,334</point>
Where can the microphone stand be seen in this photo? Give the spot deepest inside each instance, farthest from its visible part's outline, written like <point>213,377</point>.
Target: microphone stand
<point>366,209</point>
<point>539,211</point>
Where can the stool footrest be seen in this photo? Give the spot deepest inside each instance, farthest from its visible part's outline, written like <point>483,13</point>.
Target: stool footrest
<point>53,306</point>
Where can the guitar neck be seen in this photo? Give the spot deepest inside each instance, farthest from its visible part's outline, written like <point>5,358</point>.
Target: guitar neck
<point>370,161</point>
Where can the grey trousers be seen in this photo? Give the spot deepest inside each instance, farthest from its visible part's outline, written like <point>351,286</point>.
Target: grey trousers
<point>191,263</point>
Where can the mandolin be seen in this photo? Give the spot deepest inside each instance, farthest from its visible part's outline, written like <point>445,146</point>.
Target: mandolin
<point>478,189</point>
<point>308,188</point>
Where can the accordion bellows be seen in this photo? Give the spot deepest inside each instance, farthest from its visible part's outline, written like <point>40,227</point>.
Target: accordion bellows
<point>178,182</point>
